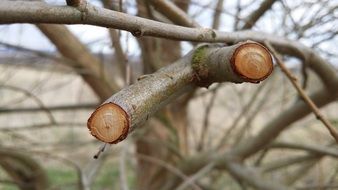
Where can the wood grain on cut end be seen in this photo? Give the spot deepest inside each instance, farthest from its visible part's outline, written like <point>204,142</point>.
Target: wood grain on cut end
<point>109,123</point>
<point>252,61</point>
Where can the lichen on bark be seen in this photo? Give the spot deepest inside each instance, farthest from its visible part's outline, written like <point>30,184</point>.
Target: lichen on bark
<point>199,64</point>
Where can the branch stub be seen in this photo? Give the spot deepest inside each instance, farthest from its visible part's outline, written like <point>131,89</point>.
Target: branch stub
<point>109,123</point>
<point>252,61</point>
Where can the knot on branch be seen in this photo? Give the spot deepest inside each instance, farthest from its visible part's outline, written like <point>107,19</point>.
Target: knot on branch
<point>137,33</point>
<point>81,5</point>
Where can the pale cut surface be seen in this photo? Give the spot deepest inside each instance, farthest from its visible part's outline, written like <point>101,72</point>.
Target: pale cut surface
<point>109,123</point>
<point>252,61</point>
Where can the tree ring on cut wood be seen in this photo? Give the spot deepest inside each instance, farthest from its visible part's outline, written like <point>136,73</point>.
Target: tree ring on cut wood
<point>109,123</point>
<point>252,62</point>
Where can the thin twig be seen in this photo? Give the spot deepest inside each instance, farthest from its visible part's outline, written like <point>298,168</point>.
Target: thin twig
<point>206,122</point>
<point>202,172</point>
<point>102,148</point>
<point>35,98</point>
<point>302,93</point>
<point>170,168</point>
<point>217,14</point>
<point>243,113</point>
<point>122,168</point>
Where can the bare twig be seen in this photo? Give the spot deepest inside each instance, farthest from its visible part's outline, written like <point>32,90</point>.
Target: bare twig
<point>50,108</point>
<point>41,126</point>
<point>300,172</point>
<point>252,177</point>
<point>35,98</point>
<point>282,163</point>
<point>243,113</point>
<point>71,47</point>
<point>302,93</point>
<point>174,13</point>
<point>122,168</point>
<point>257,14</point>
<point>316,149</point>
<point>38,12</point>
<point>169,167</point>
<point>202,172</point>
<point>89,172</point>
<point>115,39</point>
<point>205,124</point>
<point>238,12</point>
<point>217,14</point>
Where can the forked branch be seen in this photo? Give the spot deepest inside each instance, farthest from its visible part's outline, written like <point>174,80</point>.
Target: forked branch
<point>127,109</point>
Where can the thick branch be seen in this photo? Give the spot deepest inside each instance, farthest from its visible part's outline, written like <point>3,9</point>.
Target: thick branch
<point>124,111</point>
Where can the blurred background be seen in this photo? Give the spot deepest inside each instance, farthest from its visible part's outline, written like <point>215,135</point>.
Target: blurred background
<point>46,99</point>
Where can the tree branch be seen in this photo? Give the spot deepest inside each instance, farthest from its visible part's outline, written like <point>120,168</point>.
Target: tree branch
<point>317,149</point>
<point>282,163</point>
<point>252,177</point>
<point>38,12</point>
<point>207,64</point>
<point>302,93</point>
<point>272,129</point>
<point>24,170</point>
<point>217,14</point>
<point>35,98</point>
<point>174,13</point>
<point>170,168</point>
<point>49,108</point>
<point>71,48</point>
<point>115,39</point>
<point>41,126</point>
<point>254,16</point>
